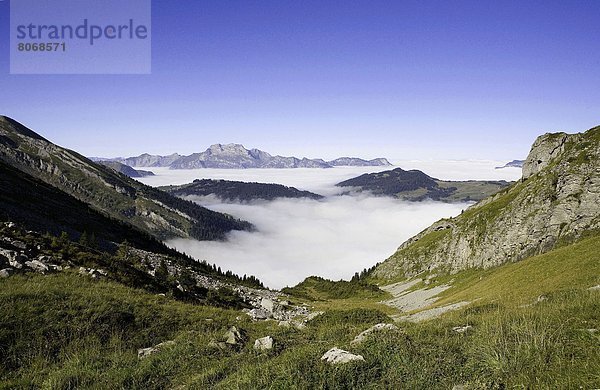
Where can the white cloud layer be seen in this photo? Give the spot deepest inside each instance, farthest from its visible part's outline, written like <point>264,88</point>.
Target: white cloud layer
<point>334,237</point>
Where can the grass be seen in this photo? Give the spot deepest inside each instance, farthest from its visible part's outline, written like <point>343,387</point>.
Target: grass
<point>64,331</point>
<point>519,283</point>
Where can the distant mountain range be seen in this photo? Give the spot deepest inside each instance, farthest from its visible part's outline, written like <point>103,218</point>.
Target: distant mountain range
<point>415,185</point>
<point>235,191</point>
<point>513,164</point>
<point>236,156</point>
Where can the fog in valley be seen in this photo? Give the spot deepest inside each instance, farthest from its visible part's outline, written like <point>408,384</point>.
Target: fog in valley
<point>333,237</point>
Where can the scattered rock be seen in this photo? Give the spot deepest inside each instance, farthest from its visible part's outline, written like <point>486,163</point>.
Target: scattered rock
<point>217,345</point>
<point>258,314</point>
<point>6,272</point>
<point>15,259</point>
<point>541,298</point>
<point>293,323</point>
<point>93,273</point>
<point>37,266</point>
<point>233,336</point>
<point>375,328</point>
<point>339,356</point>
<point>19,244</point>
<point>313,315</point>
<point>267,304</point>
<point>264,343</point>
<point>459,387</point>
<point>145,352</point>
<point>462,329</point>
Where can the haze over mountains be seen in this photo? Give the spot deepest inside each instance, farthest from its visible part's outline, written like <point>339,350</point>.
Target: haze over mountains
<point>236,156</point>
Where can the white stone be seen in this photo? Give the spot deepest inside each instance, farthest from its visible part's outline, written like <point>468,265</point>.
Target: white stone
<point>339,356</point>
<point>145,352</point>
<point>6,272</point>
<point>264,343</point>
<point>37,266</point>
<point>375,328</point>
<point>462,329</point>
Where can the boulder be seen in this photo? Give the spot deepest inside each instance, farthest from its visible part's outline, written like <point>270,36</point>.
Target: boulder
<point>462,329</point>
<point>292,323</point>
<point>6,272</point>
<point>14,259</point>
<point>594,288</point>
<point>264,343</point>
<point>19,244</point>
<point>375,328</point>
<point>233,336</point>
<point>145,352</point>
<point>339,356</point>
<point>259,314</point>
<point>267,304</point>
<point>217,345</point>
<point>313,315</point>
<point>37,266</point>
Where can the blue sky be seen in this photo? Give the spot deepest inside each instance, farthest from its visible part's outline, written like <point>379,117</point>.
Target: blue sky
<point>398,79</point>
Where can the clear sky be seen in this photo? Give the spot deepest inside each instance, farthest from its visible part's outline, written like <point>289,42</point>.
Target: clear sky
<point>397,79</point>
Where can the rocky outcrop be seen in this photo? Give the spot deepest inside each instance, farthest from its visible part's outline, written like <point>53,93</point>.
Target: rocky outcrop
<point>339,356</point>
<point>556,201</point>
<point>544,149</point>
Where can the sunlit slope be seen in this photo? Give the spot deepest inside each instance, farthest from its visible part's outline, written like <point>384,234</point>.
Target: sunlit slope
<point>556,202</point>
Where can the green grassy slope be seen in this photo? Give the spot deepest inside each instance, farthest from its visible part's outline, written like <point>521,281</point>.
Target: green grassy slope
<point>64,331</point>
<point>572,266</point>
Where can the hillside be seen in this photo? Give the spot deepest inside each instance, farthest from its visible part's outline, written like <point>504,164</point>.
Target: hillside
<point>107,191</point>
<point>556,202</point>
<point>534,326</point>
<point>415,185</point>
<point>238,191</point>
<point>236,156</point>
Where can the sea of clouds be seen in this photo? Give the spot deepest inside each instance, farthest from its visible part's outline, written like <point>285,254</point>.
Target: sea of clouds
<point>334,237</point>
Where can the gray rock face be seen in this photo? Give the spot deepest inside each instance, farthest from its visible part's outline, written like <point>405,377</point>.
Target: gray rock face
<point>557,199</point>
<point>236,156</point>
<point>544,149</point>
<point>339,356</point>
<point>264,343</point>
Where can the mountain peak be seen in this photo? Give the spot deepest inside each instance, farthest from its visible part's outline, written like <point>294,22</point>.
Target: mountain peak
<point>236,156</point>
